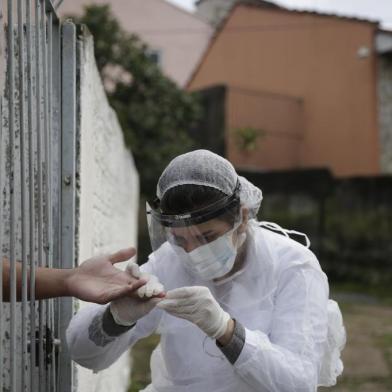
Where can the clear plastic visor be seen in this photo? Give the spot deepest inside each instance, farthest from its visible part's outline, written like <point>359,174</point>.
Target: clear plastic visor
<point>187,234</point>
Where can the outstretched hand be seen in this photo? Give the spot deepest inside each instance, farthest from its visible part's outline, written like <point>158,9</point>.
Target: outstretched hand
<point>98,280</point>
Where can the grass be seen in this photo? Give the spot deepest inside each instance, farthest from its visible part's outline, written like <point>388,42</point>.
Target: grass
<point>141,354</point>
<point>381,293</point>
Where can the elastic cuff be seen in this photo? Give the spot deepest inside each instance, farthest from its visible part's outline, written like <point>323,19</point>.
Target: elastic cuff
<point>110,327</point>
<point>233,349</point>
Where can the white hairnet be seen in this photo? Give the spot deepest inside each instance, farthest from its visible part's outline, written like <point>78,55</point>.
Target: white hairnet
<point>203,167</point>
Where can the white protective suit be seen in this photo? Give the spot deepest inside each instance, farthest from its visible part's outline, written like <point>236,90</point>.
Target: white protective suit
<point>280,297</point>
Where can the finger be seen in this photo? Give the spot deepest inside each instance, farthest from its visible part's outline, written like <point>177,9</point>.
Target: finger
<point>134,270</point>
<point>141,292</point>
<point>167,303</point>
<point>187,310</point>
<point>158,289</point>
<point>182,292</point>
<point>122,255</point>
<point>134,286</point>
<point>175,304</point>
<point>155,301</point>
<point>149,277</point>
<point>153,287</point>
<point>149,289</point>
<point>125,291</point>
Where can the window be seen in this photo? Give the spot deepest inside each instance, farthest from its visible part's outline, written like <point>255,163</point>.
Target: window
<point>155,55</point>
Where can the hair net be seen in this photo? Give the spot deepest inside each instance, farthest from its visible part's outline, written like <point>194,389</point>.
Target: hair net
<point>203,167</point>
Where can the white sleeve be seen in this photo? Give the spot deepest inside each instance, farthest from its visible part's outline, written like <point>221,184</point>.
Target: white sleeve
<point>289,358</point>
<point>92,348</point>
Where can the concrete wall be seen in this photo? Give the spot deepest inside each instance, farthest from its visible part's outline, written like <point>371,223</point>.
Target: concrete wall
<point>179,36</point>
<point>316,58</point>
<point>109,196</point>
<point>385,111</point>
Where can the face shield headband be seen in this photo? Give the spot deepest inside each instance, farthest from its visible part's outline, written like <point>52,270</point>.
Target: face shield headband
<point>195,217</point>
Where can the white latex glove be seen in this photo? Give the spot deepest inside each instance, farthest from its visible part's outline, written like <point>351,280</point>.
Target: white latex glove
<point>152,287</point>
<point>197,305</point>
<point>127,310</point>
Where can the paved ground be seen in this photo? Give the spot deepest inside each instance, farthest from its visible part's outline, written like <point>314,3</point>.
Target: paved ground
<point>367,357</point>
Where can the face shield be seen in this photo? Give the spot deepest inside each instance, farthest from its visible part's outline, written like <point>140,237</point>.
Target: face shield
<point>205,239</point>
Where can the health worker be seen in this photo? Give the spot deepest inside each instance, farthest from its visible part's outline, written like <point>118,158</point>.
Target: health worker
<point>239,306</point>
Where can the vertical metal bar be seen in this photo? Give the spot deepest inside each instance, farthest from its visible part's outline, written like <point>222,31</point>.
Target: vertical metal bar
<point>11,124</point>
<point>48,72</point>
<point>32,219</point>
<point>45,133</point>
<point>68,114</point>
<point>56,174</point>
<point>1,192</point>
<point>47,190</point>
<point>39,180</point>
<point>49,132</point>
<point>50,314</point>
<point>24,225</point>
<point>1,233</point>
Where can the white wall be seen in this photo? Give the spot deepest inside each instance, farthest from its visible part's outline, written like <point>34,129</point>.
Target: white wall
<point>109,195</point>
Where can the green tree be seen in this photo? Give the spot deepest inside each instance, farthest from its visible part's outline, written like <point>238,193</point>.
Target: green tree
<point>155,114</point>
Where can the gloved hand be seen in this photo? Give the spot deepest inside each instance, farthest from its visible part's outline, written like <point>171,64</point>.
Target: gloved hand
<point>151,288</point>
<point>127,310</point>
<point>197,305</point>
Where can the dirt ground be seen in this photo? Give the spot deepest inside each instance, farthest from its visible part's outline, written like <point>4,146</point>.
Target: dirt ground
<point>368,354</point>
<point>367,357</point>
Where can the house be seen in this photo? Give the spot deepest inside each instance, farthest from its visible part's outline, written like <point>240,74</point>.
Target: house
<point>177,38</point>
<point>298,89</point>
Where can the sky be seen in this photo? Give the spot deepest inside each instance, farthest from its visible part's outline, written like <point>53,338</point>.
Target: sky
<point>380,10</point>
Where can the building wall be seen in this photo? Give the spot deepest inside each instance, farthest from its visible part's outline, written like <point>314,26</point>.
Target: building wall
<point>179,36</point>
<point>109,196</point>
<point>385,111</point>
<point>275,120</point>
<point>312,57</point>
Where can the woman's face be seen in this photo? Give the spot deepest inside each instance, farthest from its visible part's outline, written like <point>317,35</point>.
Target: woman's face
<point>191,237</point>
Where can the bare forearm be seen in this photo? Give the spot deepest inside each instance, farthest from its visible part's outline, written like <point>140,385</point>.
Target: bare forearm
<point>49,283</point>
<point>95,280</point>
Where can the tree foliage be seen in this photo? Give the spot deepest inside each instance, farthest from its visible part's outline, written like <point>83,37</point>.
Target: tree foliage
<point>155,114</point>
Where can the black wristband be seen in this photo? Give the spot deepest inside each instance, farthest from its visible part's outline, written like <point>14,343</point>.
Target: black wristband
<point>233,349</point>
<point>110,327</point>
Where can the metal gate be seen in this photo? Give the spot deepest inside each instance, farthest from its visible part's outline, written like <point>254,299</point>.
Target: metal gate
<point>37,189</point>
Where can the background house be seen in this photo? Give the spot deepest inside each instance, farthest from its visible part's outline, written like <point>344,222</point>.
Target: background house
<point>314,89</point>
<point>177,38</point>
